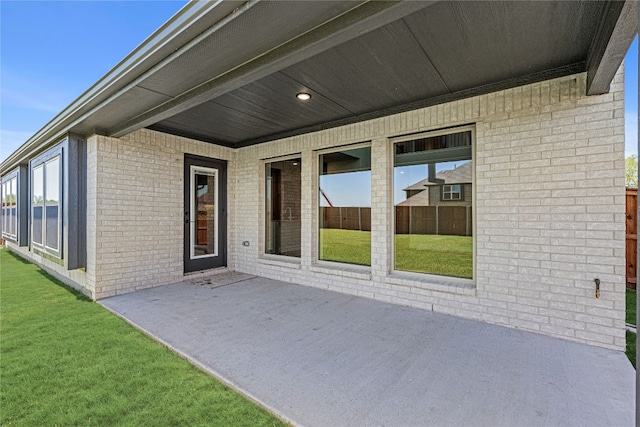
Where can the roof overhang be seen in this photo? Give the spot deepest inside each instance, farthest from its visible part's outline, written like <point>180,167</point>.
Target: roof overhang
<point>227,72</point>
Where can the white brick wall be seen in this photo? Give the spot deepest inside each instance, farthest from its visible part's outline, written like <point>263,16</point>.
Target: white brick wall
<point>138,209</point>
<point>549,211</point>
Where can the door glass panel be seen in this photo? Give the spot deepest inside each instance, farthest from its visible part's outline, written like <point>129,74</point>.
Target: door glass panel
<point>204,214</point>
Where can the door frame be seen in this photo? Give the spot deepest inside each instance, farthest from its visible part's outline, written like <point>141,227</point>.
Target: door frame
<point>191,263</point>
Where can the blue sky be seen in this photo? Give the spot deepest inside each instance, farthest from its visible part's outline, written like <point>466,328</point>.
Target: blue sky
<point>52,51</point>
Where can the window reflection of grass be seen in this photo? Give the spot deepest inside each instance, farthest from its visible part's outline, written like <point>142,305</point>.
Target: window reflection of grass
<point>442,255</point>
<point>350,246</point>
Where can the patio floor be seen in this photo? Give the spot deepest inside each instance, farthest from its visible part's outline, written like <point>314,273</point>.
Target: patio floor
<point>320,358</point>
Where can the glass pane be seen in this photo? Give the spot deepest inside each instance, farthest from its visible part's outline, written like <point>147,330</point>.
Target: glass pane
<point>345,206</point>
<point>52,226</point>
<point>37,188</point>
<point>283,208</point>
<point>204,242</point>
<point>433,206</point>
<point>38,185</point>
<point>52,202</point>
<point>5,209</point>
<point>52,186</point>
<point>13,229</point>
<point>37,224</point>
<point>14,191</point>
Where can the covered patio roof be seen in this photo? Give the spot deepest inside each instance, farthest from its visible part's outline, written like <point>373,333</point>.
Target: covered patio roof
<point>227,72</point>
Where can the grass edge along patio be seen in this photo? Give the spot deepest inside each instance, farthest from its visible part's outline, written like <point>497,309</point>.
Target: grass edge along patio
<point>56,346</point>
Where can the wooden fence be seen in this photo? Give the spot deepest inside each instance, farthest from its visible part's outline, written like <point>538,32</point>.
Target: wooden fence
<point>632,236</point>
<point>447,220</point>
<point>346,218</point>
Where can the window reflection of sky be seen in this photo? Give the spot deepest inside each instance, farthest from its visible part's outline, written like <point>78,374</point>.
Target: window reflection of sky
<point>347,189</point>
<point>354,189</point>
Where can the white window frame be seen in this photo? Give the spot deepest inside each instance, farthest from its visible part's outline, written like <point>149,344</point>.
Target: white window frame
<point>194,218</point>
<point>8,182</point>
<point>59,203</point>
<point>448,190</point>
<point>42,161</point>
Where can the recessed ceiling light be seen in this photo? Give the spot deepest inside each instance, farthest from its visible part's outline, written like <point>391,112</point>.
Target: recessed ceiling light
<point>303,96</point>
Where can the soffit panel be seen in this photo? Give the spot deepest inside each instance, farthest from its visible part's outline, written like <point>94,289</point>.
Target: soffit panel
<point>380,69</point>
<point>443,49</point>
<point>219,122</point>
<point>243,39</point>
<point>477,43</point>
<point>273,99</point>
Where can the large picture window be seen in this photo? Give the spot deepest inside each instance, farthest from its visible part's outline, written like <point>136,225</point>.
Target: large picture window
<point>345,206</point>
<point>46,212</point>
<point>283,207</point>
<point>10,207</point>
<point>433,199</point>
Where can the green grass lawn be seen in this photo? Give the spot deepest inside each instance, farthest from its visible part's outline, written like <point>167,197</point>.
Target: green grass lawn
<point>631,319</point>
<point>631,347</point>
<point>631,307</point>
<point>68,361</point>
<point>445,255</point>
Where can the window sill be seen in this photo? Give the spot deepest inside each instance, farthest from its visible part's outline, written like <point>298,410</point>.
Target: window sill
<point>345,270</point>
<point>452,285</point>
<point>280,261</point>
<point>47,255</point>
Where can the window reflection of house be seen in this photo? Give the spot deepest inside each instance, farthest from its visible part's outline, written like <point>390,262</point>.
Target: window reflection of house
<point>451,188</point>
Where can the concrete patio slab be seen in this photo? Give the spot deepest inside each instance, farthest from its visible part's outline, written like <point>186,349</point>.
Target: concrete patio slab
<point>319,358</point>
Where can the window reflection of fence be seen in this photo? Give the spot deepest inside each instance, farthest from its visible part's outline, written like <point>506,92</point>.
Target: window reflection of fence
<point>344,218</point>
<point>445,220</point>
